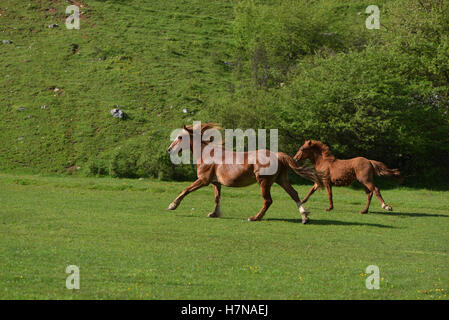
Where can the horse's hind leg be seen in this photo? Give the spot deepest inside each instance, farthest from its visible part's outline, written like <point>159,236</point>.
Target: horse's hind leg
<point>285,184</point>
<point>265,187</point>
<point>217,192</point>
<point>369,195</point>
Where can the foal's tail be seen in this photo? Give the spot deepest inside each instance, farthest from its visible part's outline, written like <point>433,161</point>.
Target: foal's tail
<point>305,172</point>
<point>382,170</point>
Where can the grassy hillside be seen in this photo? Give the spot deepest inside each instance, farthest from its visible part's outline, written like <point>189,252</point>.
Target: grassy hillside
<point>128,247</point>
<point>308,68</point>
<point>151,58</point>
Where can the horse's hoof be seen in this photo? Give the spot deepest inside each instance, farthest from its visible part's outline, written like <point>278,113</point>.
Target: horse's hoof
<point>329,209</point>
<point>387,207</point>
<point>172,206</point>
<point>252,219</point>
<point>305,221</point>
<point>364,211</point>
<point>213,215</point>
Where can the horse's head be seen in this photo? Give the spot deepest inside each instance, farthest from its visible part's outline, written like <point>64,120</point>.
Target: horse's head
<point>206,133</point>
<point>305,152</point>
<point>184,136</point>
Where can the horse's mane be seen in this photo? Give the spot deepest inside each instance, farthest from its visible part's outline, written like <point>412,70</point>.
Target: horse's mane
<point>325,151</point>
<point>204,126</point>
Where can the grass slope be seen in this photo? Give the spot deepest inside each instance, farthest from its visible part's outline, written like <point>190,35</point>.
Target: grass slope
<point>128,247</point>
<point>152,58</point>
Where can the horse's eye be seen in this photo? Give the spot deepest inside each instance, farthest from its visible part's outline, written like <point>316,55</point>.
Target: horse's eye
<point>180,137</point>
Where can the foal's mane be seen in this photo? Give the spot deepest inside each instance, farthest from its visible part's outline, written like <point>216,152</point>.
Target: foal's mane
<point>325,151</point>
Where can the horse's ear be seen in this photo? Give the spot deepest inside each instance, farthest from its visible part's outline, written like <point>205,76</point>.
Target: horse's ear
<point>185,128</point>
<point>309,142</point>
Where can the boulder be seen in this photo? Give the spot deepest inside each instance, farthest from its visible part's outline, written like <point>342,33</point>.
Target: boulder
<point>117,113</point>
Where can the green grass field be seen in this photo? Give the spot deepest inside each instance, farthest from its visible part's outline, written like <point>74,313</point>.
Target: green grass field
<point>128,247</point>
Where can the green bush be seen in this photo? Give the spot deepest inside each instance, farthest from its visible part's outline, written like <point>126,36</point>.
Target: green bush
<point>123,163</point>
<point>97,167</point>
<point>141,156</point>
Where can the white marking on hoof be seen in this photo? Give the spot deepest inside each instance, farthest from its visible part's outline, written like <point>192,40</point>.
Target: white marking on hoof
<point>214,214</point>
<point>304,213</point>
<point>172,206</point>
<point>302,210</point>
<point>387,207</point>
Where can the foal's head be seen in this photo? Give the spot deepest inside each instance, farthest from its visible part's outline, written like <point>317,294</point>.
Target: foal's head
<point>305,152</point>
<point>313,149</point>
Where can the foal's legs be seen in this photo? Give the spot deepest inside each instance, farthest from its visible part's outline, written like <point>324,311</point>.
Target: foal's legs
<point>265,187</point>
<point>285,184</point>
<point>369,195</point>
<point>381,200</point>
<point>373,189</point>
<point>194,186</point>
<point>329,194</point>
<point>217,192</point>
<point>311,191</point>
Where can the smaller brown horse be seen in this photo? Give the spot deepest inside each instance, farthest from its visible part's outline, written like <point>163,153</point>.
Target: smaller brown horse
<point>235,174</point>
<point>338,172</point>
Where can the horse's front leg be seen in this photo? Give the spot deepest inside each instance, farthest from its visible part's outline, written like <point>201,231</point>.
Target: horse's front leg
<point>194,186</point>
<point>217,192</point>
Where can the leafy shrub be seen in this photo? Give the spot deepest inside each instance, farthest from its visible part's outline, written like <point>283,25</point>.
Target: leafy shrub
<point>97,167</point>
<point>140,156</point>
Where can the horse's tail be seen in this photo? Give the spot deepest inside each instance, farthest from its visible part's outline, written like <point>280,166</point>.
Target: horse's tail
<point>305,172</point>
<point>382,170</point>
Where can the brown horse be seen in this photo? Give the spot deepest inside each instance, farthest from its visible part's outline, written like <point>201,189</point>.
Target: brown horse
<point>338,172</point>
<point>240,174</point>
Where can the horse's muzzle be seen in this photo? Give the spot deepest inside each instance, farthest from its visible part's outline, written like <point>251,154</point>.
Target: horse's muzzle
<point>298,156</point>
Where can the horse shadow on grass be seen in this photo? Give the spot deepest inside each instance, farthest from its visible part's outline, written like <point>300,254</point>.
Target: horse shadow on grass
<point>324,222</point>
<point>410,214</point>
<point>327,222</point>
